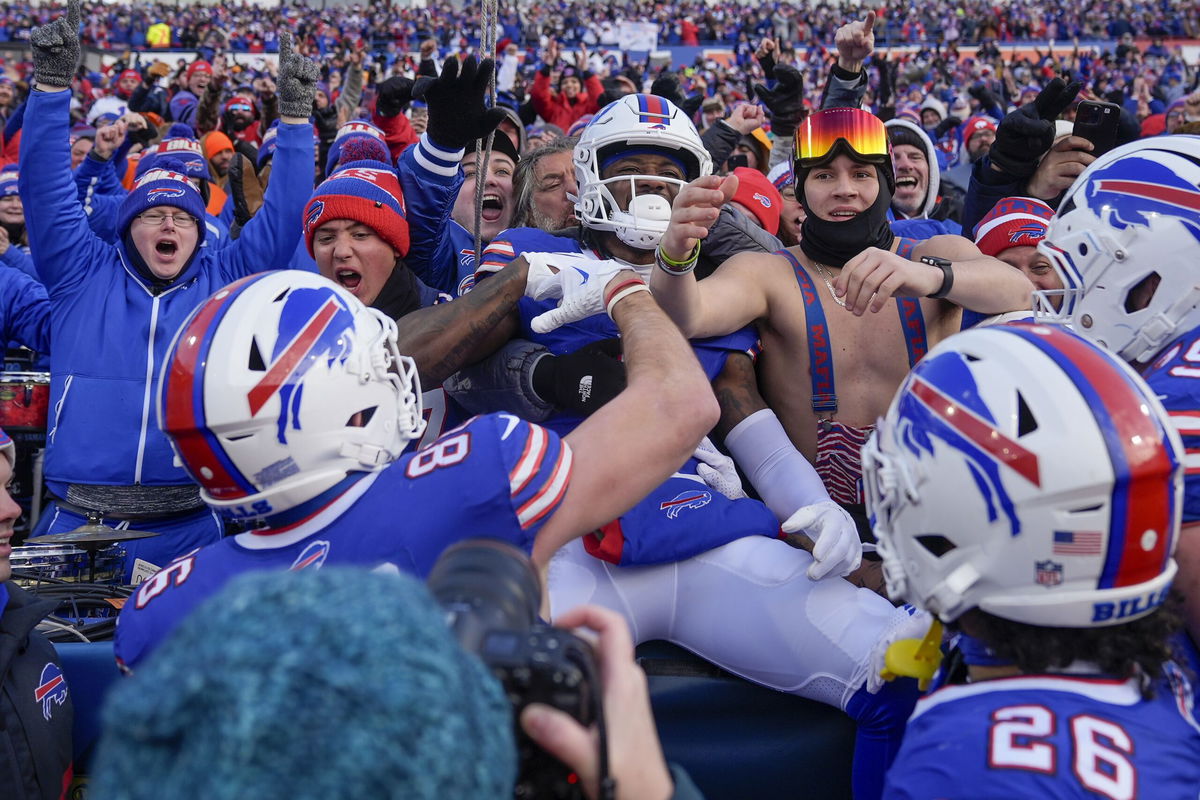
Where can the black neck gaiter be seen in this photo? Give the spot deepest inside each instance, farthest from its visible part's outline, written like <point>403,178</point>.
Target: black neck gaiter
<point>399,295</point>
<point>835,243</point>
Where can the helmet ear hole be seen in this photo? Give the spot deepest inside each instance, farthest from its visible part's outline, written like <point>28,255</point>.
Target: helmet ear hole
<point>936,544</point>
<point>1025,421</point>
<point>256,360</point>
<point>361,419</point>
<point>1142,293</point>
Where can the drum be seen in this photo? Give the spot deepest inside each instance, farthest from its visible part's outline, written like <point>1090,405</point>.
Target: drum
<point>47,563</point>
<point>25,405</point>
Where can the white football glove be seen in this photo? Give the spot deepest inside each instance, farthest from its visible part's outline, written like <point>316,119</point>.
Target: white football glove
<point>837,550</point>
<point>543,281</point>
<point>581,286</point>
<point>717,470</point>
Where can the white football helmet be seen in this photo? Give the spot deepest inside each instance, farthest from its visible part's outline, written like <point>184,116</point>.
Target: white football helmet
<point>1027,472</point>
<point>1132,215</point>
<point>279,387</point>
<point>635,123</point>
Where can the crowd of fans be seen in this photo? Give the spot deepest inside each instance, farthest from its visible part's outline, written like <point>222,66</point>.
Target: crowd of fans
<point>379,152</point>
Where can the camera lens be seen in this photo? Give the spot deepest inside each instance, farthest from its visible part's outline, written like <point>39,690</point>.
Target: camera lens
<point>485,585</point>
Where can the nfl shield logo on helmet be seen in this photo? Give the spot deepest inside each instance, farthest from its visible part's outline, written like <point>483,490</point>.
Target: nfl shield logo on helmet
<point>1049,573</point>
<point>51,690</point>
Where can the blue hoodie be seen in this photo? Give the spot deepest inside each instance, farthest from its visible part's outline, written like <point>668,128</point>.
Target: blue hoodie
<point>112,326</point>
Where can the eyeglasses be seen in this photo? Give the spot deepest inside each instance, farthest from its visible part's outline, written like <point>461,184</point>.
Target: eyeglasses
<point>154,219</point>
<point>862,132</point>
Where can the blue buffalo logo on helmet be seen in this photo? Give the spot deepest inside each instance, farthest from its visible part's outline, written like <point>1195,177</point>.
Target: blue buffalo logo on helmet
<point>944,403</point>
<point>1131,190</point>
<point>315,325</point>
<point>51,690</point>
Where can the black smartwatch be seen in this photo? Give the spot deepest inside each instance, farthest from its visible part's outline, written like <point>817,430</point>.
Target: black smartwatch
<point>945,265</point>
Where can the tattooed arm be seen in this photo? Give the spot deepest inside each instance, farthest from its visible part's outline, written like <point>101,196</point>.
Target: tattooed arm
<point>444,338</point>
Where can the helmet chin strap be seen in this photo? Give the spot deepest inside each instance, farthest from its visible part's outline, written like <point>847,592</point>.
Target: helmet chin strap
<point>644,224</point>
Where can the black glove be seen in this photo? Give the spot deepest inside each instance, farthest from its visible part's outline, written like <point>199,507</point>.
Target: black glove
<point>582,381</point>
<point>457,115</point>
<point>297,81</point>
<point>785,103</point>
<point>394,94</point>
<point>241,211</point>
<point>56,48</point>
<point>1025,134</point>
<point>945,126</point>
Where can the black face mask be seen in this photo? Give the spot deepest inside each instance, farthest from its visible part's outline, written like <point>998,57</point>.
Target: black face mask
<point>835,243</point>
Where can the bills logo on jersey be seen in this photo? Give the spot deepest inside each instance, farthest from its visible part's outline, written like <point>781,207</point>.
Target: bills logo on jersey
<point>315,325</point>
<point>684,500</point>
<point>944,403</point>
<point>51,690</point>
<point>1132,190</point>
<point>311,557</point>
<point>1049,573</point>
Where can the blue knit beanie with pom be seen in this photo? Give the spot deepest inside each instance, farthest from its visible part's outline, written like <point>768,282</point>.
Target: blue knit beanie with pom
<point>333,683</point>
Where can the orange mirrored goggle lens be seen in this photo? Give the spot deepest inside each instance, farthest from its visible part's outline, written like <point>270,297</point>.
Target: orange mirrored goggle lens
<point>862,132</point>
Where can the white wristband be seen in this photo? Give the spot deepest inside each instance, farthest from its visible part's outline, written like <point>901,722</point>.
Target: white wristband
<point>621,295</point>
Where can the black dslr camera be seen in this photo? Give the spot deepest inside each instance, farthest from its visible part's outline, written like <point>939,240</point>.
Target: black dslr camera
<point>491,594</point>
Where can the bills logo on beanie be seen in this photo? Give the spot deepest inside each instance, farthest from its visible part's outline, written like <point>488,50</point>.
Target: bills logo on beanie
<point>370,196</point>
<point>8,183</point>
<point>188,152</point>
<point>759,196</point>
<point>165,184</point>
<point>1013,222</point>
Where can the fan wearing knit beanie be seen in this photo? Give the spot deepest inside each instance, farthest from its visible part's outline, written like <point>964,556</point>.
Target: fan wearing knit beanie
<point>295,662</point>
<point>1011,232</point>
<point>757,198</point>
<point>356,229</point>
<point>116,304</point>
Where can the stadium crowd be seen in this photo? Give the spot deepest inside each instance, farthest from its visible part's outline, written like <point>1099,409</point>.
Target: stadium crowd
<point>278,305</point>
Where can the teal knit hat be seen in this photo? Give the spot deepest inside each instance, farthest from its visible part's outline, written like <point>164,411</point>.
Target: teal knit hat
<point>321,684</point>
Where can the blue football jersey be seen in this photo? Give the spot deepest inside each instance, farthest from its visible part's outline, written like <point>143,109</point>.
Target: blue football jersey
<point>1051,736</point>
<point>1175,378</point>
<point>497,476</point>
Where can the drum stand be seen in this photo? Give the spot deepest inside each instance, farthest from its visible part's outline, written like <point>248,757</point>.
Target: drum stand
<point>35,505</point>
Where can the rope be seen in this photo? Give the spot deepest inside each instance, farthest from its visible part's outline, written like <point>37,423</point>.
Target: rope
<point>488,15</point>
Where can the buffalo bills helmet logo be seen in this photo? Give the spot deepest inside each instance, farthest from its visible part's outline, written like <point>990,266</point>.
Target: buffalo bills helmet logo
<point>943,402</point>
<point>683,500</point>
<point>315,325</point>
<point>51,689</point>
<point>1131,190</point>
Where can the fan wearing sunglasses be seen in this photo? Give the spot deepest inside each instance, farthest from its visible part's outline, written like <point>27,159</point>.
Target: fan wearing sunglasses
<point>852,307</point>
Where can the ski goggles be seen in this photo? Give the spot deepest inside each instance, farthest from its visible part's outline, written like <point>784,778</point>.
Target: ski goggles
<point>861,132</point>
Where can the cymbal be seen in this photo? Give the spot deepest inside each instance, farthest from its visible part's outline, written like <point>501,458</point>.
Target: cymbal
<point>91,532</point>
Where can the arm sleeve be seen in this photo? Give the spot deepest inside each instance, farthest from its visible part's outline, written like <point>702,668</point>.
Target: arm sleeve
<point>351,94</point>
<point>502,382</point>
<point>65,249</point>
<point>842,91</point>
<point>543,98</point>
<point>987,188</point>
<point>431,178</point>
<point>16,258</point>
<point>269,239</point>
